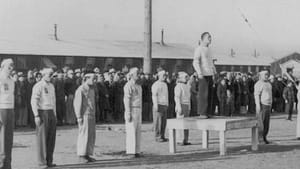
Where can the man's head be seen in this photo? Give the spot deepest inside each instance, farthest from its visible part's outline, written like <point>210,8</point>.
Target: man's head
<point>60,74</point>
<point>264,75</point>
<point>147,76</point>
<point>7,66</point>
<point>272,78</point>
<point>70,74</point>
<point>47,74</point>
<point>289,83</point>
<point>38,76</point>
<point>100,78</point>
<point>183,77</point>
<point>30,74</point>
<point>223,82</point>
<point>133,74</point>
<point>77,72</point>
<point>206,38</point>
<point>162,75</point>
<point>89,78</point>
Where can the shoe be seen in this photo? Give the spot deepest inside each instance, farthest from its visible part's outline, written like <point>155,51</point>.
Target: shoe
<point>162,140</point>
<point>83,159</point>
<point>187,143</point>
<point>90,159</point>
<point>137,155</point>
<point>266,141</point>
<point>51,165</point>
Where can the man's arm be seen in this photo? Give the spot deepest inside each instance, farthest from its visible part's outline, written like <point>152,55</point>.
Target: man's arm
<point>177,96</point>
<point>35,98</point>
<point>127,97</point>
<point>196,62</point>
<point>257,94</point>
<point>77,103</point>
<point>154,96</point>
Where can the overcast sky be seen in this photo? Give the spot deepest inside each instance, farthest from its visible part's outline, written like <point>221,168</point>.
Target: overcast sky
<point>274,30</point>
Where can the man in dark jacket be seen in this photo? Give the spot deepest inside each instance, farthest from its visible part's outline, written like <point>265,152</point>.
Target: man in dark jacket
<point>289,97</point>
<point>59,86</point>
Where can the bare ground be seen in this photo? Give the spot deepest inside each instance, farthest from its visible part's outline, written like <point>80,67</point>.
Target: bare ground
<point>283,153</point>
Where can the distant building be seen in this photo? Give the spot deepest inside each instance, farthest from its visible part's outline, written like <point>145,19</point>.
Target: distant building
<point>105,54</point>
<point>290,61</point>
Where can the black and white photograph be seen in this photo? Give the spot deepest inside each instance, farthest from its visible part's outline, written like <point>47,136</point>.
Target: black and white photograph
<point>149,84</point>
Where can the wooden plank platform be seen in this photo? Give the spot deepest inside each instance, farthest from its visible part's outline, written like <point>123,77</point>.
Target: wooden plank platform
<point>220,124</point>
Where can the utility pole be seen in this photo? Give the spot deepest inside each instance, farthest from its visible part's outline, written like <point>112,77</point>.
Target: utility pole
<point>55,32</point>
<point>148,37</point>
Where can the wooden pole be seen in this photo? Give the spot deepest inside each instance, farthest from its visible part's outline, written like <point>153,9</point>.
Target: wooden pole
<point>148,37</point>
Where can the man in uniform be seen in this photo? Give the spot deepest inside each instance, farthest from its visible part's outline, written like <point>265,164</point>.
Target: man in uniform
<point>85,108</point>
<point>160,101</point>
<point>7,86</point>
<point>182,97</point>
<point>43,103</point>
<point>263,101</point>
<point>133,113</point>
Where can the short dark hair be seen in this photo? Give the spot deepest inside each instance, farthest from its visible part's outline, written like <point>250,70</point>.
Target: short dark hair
<point>204,34</point>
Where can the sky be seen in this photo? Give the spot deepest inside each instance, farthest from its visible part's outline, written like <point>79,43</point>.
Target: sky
<point>273,31</point>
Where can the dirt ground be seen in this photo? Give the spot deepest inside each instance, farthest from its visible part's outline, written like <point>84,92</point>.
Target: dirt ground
<point>283,153</point>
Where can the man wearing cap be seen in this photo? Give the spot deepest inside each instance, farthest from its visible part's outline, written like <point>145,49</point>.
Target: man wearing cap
<point>78,78</point>
<point>160,101</point>
<point>289,97</point>
<point>20,101</point>
<point>182,97</point>
<point>84,107</point>
<point>263,101</point>
<point>133,113</point>
<point>205,68</point>
<point>7,87</point>
<point>70,88</point>
<point>43,103</point>
<point>59,85</point>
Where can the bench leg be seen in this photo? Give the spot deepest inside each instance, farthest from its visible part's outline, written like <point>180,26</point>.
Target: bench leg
<point>254,138</point>
<point>223,149</point>
<point>205,137</point>
<point>172,140</point>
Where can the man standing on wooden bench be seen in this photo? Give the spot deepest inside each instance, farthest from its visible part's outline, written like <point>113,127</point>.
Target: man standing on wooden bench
<point>263,101</point>
<point>182,99</point>
<point>205,68</point>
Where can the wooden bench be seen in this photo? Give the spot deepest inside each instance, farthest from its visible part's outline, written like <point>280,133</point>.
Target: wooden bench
<point>220,124</point>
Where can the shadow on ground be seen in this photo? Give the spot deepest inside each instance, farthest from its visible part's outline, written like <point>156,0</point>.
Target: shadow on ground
<point>183,157</point>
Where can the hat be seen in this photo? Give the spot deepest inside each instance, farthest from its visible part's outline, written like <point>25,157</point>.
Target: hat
<point>97,70</point>
<point>249,73</point>
<point>46,71</point>
<point>77,71</point>
<point>182,75</point>
<point>112,70</point>
<point>20,74</point>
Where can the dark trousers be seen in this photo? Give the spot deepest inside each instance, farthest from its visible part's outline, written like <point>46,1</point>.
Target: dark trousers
<point>6,137</point>
<point>289,109</point>
<point>160,121</point>
<point>60,110</point>
<point>30,116</point>
<point>264,121</point>
<point>147,111</point>
<point>205,96</point>
<point>45,137</point>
